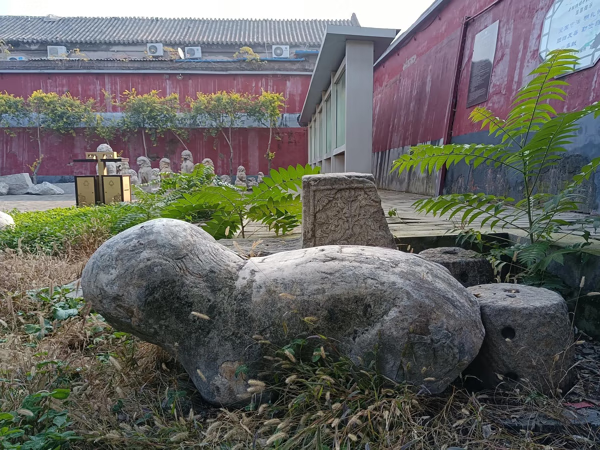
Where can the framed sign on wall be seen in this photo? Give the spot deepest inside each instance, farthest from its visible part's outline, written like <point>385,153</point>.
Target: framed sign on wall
<point>573,24</point>
<point>482,63</point>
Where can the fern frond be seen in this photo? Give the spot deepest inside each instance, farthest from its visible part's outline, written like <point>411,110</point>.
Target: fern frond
<point>530,108</point>
<point>431,157</point>
<point>495,211</point>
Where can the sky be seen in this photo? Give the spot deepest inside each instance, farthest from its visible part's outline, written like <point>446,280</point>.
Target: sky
<point>398,14</point>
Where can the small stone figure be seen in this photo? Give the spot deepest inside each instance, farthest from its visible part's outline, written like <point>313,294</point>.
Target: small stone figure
<point>225,179</point>
<point>260,177</point>
<point>155,175</point>
<point>126,170</point>
<point>240,178</point>
<point>111,167</point>
<point>165,166</point>
<point>145,169</point>
<point>207,162</point>
<point>252,182</point>
<point>187,162</point>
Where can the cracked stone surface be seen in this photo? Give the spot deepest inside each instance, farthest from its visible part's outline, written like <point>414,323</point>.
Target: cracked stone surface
<point>152,278</point>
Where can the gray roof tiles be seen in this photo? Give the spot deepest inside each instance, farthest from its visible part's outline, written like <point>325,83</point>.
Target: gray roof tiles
<point>138,30</point>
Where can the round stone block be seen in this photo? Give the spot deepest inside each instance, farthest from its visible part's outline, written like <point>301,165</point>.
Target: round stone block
<point>528,338</point>
<point>468,267</point>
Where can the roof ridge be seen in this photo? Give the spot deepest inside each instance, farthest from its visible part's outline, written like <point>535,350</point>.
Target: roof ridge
<point>253,19</point>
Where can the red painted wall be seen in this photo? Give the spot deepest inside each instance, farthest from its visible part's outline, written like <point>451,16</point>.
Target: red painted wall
<point>250,144</point>
<point>92,85</point>
<point>17,152</point>
<point>411,101</point>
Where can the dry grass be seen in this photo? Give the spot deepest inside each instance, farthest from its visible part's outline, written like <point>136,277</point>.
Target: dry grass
<point>21,272</point>
<point>127,394</point>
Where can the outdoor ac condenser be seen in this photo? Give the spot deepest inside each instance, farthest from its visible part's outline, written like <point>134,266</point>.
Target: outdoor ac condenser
<point>193,52</point>
<point>281,51</point>
<point>154,49</point>
<point>57,52</point>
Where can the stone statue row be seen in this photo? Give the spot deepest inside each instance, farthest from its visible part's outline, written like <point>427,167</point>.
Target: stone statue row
<point>146,174</point>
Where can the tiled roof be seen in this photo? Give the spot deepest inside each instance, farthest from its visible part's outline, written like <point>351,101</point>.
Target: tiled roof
<point>138,30</point>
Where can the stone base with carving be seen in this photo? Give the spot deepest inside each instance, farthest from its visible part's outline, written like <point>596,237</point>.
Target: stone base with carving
<point>343,209</point>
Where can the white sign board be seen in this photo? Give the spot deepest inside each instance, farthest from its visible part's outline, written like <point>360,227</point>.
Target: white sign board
<point>573,24</point>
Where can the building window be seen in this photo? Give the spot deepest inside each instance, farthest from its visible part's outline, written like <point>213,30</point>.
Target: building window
<point>340,111</point>
<point>328,126</point>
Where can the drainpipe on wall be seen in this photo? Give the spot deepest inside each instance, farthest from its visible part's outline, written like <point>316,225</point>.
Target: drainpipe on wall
<point>455,85</point>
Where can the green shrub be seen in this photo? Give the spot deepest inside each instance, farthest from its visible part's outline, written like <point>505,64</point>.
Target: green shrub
<point>59,230</point>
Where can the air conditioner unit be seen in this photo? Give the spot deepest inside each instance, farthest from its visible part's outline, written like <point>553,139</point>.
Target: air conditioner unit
<point>57,52</point>
<point>154,49</point>
<point>281,51</point>
<point>193,52</point>
<point>17,58</point>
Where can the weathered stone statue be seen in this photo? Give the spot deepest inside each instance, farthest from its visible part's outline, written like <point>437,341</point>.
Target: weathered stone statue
<point>165,166</point>
<point>202,302</point>
<point>111,167</point>
<point>126,170</point>
<point>260,177</point>
<point>187,162</point>
<point>225,179</point>
<point>240,178</point>
<point>155,175</point>
<point>144,169</point>
<point>207,162</point>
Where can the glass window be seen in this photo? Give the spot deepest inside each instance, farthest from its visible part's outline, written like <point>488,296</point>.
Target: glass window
<point>328,127</point>
<point>320,135</point>
<point>340,111</point>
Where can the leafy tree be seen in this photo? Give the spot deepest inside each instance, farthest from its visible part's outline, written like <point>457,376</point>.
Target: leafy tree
<point>266,109</point>
<point>60,114</point>
<point>12,112</point>
<point>275,203</point>
<point>220,113</point>
<point>532,139</point>
<point>152,114</point>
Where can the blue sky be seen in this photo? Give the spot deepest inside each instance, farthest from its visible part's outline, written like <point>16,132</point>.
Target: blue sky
<point>371,13</point>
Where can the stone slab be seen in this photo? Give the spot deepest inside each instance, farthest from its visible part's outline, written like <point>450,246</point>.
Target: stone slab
<point>343,209</point>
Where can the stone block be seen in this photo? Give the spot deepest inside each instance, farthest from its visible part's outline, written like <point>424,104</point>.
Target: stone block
<point>467,266</point>
<point>528,338</point>
<point>4,188</point>
<point>18,183</point>
<point>343,209</point>
<point>45,189</point>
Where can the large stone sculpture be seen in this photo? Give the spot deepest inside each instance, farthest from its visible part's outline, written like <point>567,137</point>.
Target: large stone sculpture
<point>165,165</point>
<point>202,302</point>
<point>343,209</point>
<point>240,178</point>
<point>111,167</point>
<point>144,170</point>
<point>4,188</point>
<point>187,162</point>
